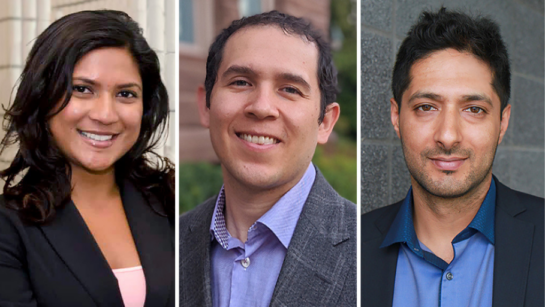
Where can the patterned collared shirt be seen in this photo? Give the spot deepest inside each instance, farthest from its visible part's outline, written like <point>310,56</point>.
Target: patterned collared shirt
<point>245,274</point>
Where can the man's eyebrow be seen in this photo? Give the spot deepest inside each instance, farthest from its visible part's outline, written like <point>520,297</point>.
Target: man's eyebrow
<point>428,95</point>
<point>236,69</point>
<point>295,79</point>
<point>477,97</point>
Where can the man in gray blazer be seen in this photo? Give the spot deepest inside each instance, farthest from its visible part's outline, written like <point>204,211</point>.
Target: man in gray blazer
<point>277,234</point>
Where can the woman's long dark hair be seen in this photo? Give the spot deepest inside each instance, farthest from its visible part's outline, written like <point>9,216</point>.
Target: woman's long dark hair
<point>45,81</point>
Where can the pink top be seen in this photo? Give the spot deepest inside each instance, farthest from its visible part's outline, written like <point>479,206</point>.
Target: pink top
<point>132,284</point>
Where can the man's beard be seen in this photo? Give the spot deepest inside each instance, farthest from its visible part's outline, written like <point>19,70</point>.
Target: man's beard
<point>448,187</point>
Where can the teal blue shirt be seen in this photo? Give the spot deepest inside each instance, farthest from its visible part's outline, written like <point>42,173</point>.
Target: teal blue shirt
<point>423,279</point>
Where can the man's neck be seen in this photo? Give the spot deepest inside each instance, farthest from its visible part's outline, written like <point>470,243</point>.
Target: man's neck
<point>438,220</point>
<point>244,205</point>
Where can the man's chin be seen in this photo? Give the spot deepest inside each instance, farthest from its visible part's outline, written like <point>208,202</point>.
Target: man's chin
<point>449,187</point>
<point>446,191</point>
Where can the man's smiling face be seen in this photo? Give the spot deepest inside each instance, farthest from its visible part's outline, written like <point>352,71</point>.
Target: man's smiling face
<point>264,108</point>
<point>449,123</point>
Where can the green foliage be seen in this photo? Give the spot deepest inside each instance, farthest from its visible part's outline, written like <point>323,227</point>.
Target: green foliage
<point>339,166</point>
<point>198,182</point>
<point>343,19</point>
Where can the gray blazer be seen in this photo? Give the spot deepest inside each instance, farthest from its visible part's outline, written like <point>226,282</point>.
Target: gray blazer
<point>320,264</point>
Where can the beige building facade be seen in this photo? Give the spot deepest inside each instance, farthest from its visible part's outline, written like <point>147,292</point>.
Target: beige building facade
<point>21,21</point>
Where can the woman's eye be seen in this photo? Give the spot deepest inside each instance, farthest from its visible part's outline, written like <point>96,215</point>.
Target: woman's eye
<point>80,89</point>
<point>127,94</point>
<point>425,108</point>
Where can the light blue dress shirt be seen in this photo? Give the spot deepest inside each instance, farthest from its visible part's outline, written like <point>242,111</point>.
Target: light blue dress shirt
<point>423,279</point>
<point>245,274</point>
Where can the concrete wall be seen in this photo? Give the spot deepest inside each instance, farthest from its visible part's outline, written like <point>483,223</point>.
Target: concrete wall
<point>519,161</point>
<point>21,21</point>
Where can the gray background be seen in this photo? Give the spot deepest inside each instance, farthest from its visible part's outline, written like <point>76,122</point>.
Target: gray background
<point>519,160</point>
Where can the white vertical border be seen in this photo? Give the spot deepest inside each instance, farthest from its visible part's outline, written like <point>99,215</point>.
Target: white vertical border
<point>358,133</point>
<point>177,156</point>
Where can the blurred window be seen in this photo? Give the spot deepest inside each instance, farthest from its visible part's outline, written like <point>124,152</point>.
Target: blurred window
<point>249,7</point>
<point>187,32</point>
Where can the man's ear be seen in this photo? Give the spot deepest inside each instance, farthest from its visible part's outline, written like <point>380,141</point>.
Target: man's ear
<point>505,115</point>
<point>204,111</point>
<point>394,115</point>
<point>332,112</point>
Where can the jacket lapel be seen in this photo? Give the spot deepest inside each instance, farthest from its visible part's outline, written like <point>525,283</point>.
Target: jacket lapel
<point>69,236</point>
<point>314,270</point>
<point>154,239</point>
<point>195,241</point>
<point>378,261</point>
<point>514,241</point>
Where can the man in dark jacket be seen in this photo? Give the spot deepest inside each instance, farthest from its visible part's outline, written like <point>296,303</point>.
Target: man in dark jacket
<point>460,237</point>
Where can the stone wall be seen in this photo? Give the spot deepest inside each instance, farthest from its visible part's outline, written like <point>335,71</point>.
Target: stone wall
<point>519,161</point>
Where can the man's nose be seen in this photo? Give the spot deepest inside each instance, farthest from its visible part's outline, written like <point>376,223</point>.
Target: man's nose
<point>103,109</point>
<point>448,130</point>
<point>262,104</point>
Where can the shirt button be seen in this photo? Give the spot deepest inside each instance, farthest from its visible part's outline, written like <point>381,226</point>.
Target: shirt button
<point>449,276</point>
<point>245,262</point>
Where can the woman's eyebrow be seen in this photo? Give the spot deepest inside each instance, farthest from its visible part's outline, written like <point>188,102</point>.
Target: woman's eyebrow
<point>124,85</point>
<point>132,84</point>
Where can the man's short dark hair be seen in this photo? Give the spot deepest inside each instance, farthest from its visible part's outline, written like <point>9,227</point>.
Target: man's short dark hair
<point>479,36</point>
<point>327,74</point>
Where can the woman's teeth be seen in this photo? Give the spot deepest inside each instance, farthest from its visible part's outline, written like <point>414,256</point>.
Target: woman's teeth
<point>97,137</point>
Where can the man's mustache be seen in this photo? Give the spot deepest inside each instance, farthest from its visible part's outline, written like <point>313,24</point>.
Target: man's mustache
<point>438,151</point>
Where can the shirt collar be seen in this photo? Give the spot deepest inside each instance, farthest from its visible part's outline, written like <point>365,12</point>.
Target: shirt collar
<point>484,219</point>
<point>281,219</point>
<point>402,229</point>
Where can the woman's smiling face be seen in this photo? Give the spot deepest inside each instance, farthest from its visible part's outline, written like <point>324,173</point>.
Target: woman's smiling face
<point>102,120</point>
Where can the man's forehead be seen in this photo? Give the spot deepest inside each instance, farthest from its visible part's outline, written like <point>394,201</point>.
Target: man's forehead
<point>246,47</point>
<point>450,69</point>
<point>262,28</point>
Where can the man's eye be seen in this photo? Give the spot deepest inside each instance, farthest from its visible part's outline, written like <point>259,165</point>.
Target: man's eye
<point>291,90</point>
<point>240,83</point>
<point>426,108</point>
<point>475,110</point>
<point>127,94</point>
<point>80,89</point>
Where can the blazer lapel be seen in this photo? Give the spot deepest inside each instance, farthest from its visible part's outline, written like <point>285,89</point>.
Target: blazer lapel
<point>514,240</point>
<point>154,239</point>
<point>195,257</point>
<point>375,261</point>
<point>314,270</point>
<point>69,236</point>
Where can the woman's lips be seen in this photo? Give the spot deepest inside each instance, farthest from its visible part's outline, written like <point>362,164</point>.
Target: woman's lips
<point>98,140</point>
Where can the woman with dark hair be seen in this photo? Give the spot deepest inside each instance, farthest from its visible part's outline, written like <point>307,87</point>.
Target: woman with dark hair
<point>87,212</point>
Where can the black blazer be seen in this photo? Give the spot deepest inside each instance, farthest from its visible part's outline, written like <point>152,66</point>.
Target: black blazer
<point>60,264</point>
<point>518,254</point>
